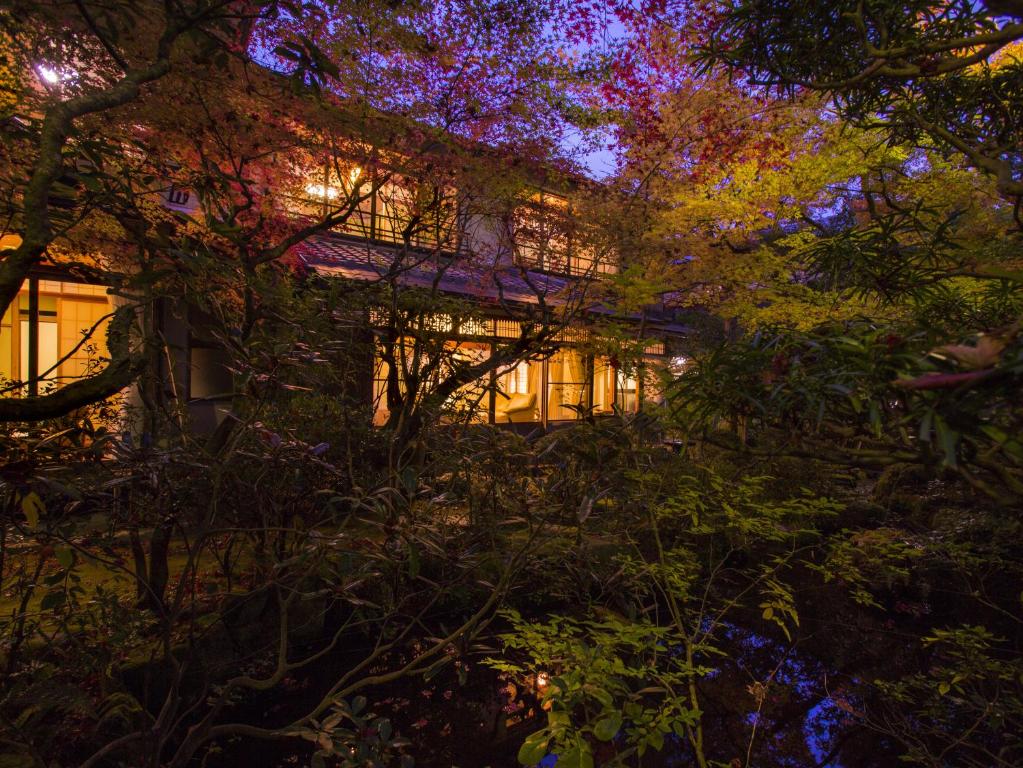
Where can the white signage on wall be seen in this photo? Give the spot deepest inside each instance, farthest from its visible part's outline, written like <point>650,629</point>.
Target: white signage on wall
<point>180,199</point>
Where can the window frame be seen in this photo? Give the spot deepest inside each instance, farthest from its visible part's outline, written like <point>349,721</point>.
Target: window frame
<point>571,257</point>
<point>33,290</point>
<point>355,227</point>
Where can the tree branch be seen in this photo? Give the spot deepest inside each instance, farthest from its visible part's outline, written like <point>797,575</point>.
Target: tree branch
<point>118,374</point>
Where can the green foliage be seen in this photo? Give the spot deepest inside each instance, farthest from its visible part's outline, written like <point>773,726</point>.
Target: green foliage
<point>948,73</point>
<point>864,561</point>
<point>682,529</point>
<point>609,680</point>
<point>966,707</point>
<point>877,386</point>
<point>739,510</point>
<point>351,736</point>
<point>154,594</point>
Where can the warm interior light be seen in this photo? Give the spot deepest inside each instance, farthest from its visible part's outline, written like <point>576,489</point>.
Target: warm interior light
<point>9,241</point>
<point>438,323</point>
<point>517,379</point>
<point>542,679</point>
<point>354,174</point>
<point>53,76</point>
<point>321,190</point>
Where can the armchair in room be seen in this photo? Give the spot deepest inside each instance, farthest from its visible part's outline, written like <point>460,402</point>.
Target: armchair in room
<point>517,407</point>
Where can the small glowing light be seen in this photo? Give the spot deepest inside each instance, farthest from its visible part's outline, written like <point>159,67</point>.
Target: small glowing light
<point>9,241</point>
<point>52,76</point>
<point>542,679</point>
<point>354,174</point>
<point>49,75</point>
<point>321,190</point>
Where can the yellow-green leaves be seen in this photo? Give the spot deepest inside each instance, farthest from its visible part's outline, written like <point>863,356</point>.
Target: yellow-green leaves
<point>32,506</point>
<point>779,605</point>
<point>534,748</point>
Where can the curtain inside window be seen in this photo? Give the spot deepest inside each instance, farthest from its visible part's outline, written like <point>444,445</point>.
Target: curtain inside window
<point>471,400</point>
<point>568,384</point>
<point>518,397</point>
<point>603,386</point>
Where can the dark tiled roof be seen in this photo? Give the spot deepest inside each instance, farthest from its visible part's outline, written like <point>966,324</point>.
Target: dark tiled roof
<point>361,260</point>
<point>466,275</point>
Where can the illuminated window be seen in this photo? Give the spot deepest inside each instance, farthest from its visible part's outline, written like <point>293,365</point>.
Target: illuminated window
<point>568,385</point>
<point>615,388</point>
<point>390,210</point>
<point>47,344</point>
<point>468,402</point>
<point>381,371</point>
<point>517,379</point>
<point>627,397</point>
<point>507,329</point>
<point>654,369</point>
<point>67,338</point>
<point>603,386</point>
<point>474,326</point>
<point>542,233</point>
<point>518,393</point>
<point>547,238</point>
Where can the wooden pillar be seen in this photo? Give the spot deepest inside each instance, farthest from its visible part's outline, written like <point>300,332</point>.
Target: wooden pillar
<point>544,392</point>
<point>33,337</point>
<point>492,394</point>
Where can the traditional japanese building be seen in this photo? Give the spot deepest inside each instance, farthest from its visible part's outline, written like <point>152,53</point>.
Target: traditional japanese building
<point>527,262</point>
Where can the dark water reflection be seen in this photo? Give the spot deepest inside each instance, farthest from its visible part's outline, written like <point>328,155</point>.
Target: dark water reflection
<point>769,704</point>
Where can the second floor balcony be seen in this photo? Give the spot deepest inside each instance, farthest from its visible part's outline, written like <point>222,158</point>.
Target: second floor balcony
<point>539,231</point>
